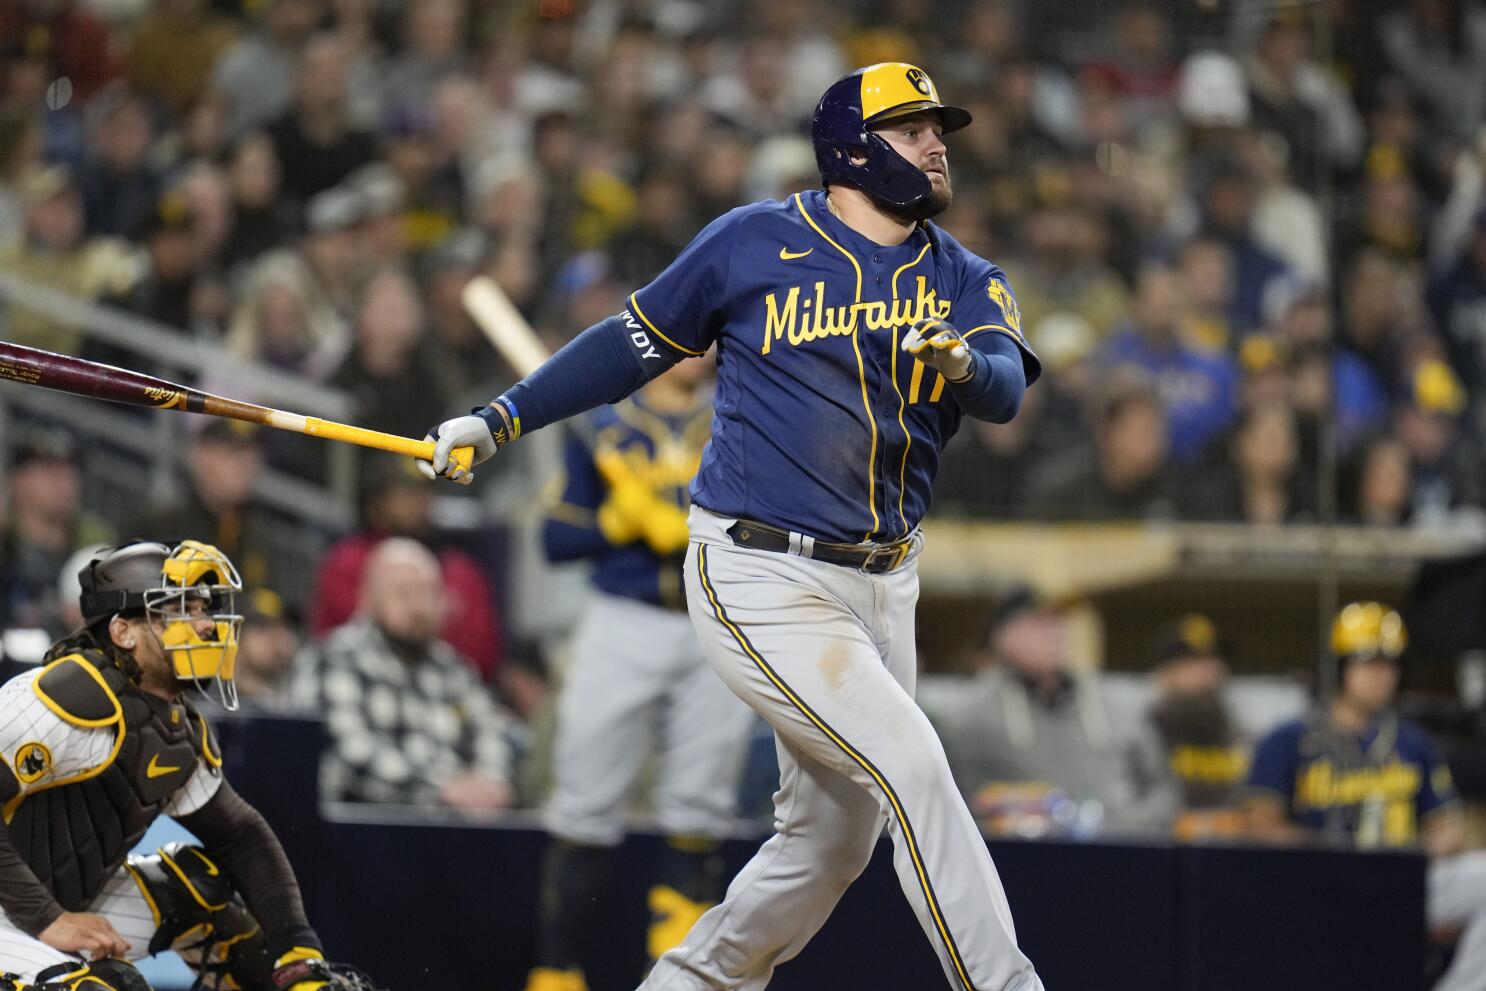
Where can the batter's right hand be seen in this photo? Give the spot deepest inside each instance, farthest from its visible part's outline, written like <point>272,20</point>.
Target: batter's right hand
<point>83,932</point>
<point>462,431</point>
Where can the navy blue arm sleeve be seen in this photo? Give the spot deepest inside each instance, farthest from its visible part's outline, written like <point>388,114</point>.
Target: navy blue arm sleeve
<point>602,365</point>
<point>994,390</point>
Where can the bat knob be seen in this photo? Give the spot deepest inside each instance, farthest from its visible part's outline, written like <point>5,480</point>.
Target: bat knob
<point>464,457</point>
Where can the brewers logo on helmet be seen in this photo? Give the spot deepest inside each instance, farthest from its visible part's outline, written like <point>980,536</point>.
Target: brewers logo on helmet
<point>842,129</point>
<point>1368,629</point>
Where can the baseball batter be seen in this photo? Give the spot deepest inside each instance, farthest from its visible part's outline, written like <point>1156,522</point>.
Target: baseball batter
<point>98,743</point>
<point>852,335</point>
<point>636,678</point>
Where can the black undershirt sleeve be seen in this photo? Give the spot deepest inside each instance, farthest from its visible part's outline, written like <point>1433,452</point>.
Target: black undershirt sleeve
<point>243,844</point>
<point>26,901</point>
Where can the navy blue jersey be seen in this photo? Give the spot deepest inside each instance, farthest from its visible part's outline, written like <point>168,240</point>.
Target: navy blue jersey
<point>663,450</point>
<point>822,424</point>
<point>1373,790</point>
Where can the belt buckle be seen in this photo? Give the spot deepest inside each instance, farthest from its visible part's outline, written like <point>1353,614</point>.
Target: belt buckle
<point>890,556</point>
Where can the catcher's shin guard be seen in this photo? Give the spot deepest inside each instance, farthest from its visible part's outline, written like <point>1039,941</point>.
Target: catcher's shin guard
<point>200,916</point>
<point>99,975</point>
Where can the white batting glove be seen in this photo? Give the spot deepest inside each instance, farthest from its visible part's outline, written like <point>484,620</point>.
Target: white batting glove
<point>462,431</point>
<point>941,347</point>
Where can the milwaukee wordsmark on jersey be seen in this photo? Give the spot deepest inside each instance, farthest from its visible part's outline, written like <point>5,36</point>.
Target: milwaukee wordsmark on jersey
<point>823,425</point>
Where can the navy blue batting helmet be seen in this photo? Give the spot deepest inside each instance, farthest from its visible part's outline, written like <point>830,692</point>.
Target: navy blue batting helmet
<point>842,127</point>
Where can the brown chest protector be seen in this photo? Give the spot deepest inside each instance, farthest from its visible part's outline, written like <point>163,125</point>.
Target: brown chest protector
<point>75,832</point>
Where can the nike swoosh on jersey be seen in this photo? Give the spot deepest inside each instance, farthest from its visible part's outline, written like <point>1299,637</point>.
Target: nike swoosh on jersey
<point>154,770</point>
<point>786,255</point>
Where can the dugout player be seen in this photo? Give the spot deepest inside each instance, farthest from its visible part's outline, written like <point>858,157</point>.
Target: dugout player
<point>1353,773</point>
<point>636,676</point>
<point>852,336</point>
<point>95,745</point>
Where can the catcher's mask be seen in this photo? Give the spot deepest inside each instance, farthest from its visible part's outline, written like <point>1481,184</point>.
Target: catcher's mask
<point>181,587</point>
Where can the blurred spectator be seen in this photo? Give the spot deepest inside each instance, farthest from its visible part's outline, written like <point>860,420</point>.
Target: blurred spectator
<point>1296,98</point>
<point>20,150</point>
<point>1062,269</point>
<point>167,290</point>
<point>1373,314</point>
<point>1439,47</point>
<point>118,181</point>
<point>985,469</point>
<point>284,323</point>
<point>1258,478</point>
<point>1325,371</point>
<point>1449,480</point>
<point>659,231</point>
<point>268,645</point>
<point>261,220</point>
<point>430,190</point>
<point>433,36</point>
<point>63,39</point>
<point>388,221</point>
<point>1457,301</point>
<point>1375,487</point>
<point>387,372</point>
<point>1197,388</point>
<point>1139,68</point>
<point>332,249</point>
<point>397,502</point>
<point>1122,476</point>
<point>223,463</point>
<point>1352,773</point>
<point>46,525</point>
<point>1227,203</point>
<point>174,49</point>
<point>1031,740</point>
<point>467,362</point>
<point>1288,222</point>
<point>1385,214</point>
<point>1200,743</point>
<point>756,97</point>
<point>55,253</point>
<point>1205,274</point>
<point>409,722</point>
<point>257,74</point>
<point>316,141</point>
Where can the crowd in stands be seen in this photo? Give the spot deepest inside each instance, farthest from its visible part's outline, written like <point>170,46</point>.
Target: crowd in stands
<point>1230,264</point>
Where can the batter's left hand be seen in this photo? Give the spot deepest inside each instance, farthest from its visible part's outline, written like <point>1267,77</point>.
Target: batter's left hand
<point>939,346</point>
<point>462,431</point>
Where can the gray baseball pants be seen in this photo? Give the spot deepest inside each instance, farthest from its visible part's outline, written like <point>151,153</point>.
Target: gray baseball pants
<point>826,655</point>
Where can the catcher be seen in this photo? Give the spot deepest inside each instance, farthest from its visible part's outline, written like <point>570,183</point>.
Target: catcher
<point>96,744</point>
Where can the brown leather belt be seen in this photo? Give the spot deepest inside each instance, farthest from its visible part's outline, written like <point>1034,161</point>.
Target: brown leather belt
<point>877,559</point>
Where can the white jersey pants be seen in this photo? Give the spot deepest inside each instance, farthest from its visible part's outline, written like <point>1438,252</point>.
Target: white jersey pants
<point>826,654</point>
<point>120,902</point>
<point>637,680</point>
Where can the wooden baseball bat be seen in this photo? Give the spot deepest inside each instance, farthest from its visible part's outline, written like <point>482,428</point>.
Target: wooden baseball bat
<point>33,366</point>
<point>503,325</point>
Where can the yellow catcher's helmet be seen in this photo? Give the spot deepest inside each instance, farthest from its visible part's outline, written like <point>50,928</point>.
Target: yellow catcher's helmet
<point>168,583</point>
<point>1368,629</point>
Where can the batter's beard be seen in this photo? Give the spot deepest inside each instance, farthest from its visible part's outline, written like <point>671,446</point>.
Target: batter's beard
<point>932,205</point>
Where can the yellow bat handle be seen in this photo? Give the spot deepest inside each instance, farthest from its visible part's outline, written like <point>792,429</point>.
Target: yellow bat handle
<point>330,430</point>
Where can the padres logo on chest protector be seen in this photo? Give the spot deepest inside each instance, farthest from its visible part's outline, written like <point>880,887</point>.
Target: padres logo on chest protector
<point>75,839</point>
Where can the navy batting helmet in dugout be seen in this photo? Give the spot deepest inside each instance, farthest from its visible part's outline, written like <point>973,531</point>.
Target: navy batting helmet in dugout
<point>842,130</point>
